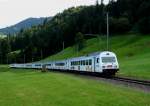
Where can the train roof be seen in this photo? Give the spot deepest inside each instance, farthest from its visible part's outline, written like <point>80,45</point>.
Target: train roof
<point>92,54</point>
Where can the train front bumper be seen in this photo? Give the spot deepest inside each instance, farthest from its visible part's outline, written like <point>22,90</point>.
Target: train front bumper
<point>110,71</point>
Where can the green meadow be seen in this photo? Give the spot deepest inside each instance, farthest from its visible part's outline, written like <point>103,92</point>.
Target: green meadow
<point>21,87</point>
<point>133,52</point>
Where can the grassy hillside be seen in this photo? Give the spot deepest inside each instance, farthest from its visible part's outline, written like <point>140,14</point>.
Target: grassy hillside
<point>20,87</point>
<point>133,53</point>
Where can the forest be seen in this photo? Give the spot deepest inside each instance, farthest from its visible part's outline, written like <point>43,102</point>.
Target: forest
<point>38,42</point>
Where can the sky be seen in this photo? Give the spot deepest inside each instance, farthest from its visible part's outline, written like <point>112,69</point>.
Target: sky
<point>14,11</point>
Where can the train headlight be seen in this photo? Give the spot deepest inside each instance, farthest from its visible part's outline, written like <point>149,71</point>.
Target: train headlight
<point>115,66</point>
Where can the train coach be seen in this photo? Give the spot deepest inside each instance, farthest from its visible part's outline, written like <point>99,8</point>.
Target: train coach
<point>100,62</point>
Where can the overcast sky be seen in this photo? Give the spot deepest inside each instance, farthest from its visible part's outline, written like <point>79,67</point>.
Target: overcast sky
<point>14,11</point>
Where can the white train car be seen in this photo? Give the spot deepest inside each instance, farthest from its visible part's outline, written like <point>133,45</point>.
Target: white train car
<point>100,62</point>
<point>16,65</point>
<point>12,65</point>
<point>37,65</point>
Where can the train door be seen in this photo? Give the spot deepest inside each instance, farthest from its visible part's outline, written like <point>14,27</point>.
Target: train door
<point>97,64</point>
<point>67,64</point>
<point>79,65</point>
<point>94,64</point>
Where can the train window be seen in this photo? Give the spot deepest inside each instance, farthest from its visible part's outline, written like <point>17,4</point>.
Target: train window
<point>90,62</point>
<point>75,63</point>
<point>79,62</point>
<point>83,62</point>
<point>46,65</point>
<point>87,62</point>
<point>38,65</point>
<point>97,60</point>
<point>108,59</point>
<point>59,64</point>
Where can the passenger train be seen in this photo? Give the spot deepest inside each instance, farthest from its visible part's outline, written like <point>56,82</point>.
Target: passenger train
<point>99,62</point>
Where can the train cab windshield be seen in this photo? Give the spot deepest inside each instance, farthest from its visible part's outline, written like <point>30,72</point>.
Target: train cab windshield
<point>108,59</point>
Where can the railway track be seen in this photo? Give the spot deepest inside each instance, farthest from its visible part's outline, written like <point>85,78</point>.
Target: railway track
<point>116,80</point>
<point>143,85</point>
<point>135,81</point>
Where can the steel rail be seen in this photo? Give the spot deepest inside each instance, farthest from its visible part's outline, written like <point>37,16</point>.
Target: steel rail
<point>129,80</point>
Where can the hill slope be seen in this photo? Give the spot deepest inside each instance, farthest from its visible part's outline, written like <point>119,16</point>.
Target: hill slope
<point>133,53</point>
<point>27,23</point>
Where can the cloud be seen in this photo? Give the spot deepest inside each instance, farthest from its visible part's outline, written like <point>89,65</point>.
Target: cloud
<point>3,1</point>
<point>13,11</point>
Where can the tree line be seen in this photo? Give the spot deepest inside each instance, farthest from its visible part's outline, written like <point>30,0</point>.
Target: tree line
<point>70,26</point>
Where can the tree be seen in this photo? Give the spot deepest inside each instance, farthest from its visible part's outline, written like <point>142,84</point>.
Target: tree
<point>5,49</point>
<point>80,41</point>
<point>144,25</point>
<point>120,25</point>
<point>46,39</point>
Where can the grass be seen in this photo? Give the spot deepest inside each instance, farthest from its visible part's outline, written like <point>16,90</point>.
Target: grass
<point>133,52</point>
<point>20,87</point>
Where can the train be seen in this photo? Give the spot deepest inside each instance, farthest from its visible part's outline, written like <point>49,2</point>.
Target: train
<point>104,62</point>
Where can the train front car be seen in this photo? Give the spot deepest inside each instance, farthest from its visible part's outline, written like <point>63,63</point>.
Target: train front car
<point>109,63</point>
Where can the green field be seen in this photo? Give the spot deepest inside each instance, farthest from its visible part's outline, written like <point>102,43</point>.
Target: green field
<point>133,53</point>
<point>20,87</point>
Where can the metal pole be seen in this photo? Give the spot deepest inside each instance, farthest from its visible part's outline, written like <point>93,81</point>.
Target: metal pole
<point>24,58</point>
<point>107,31</point>
<point>8,51</point>
<point>63,45</point>
<point>7,59</point>
<point>41,54</point>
